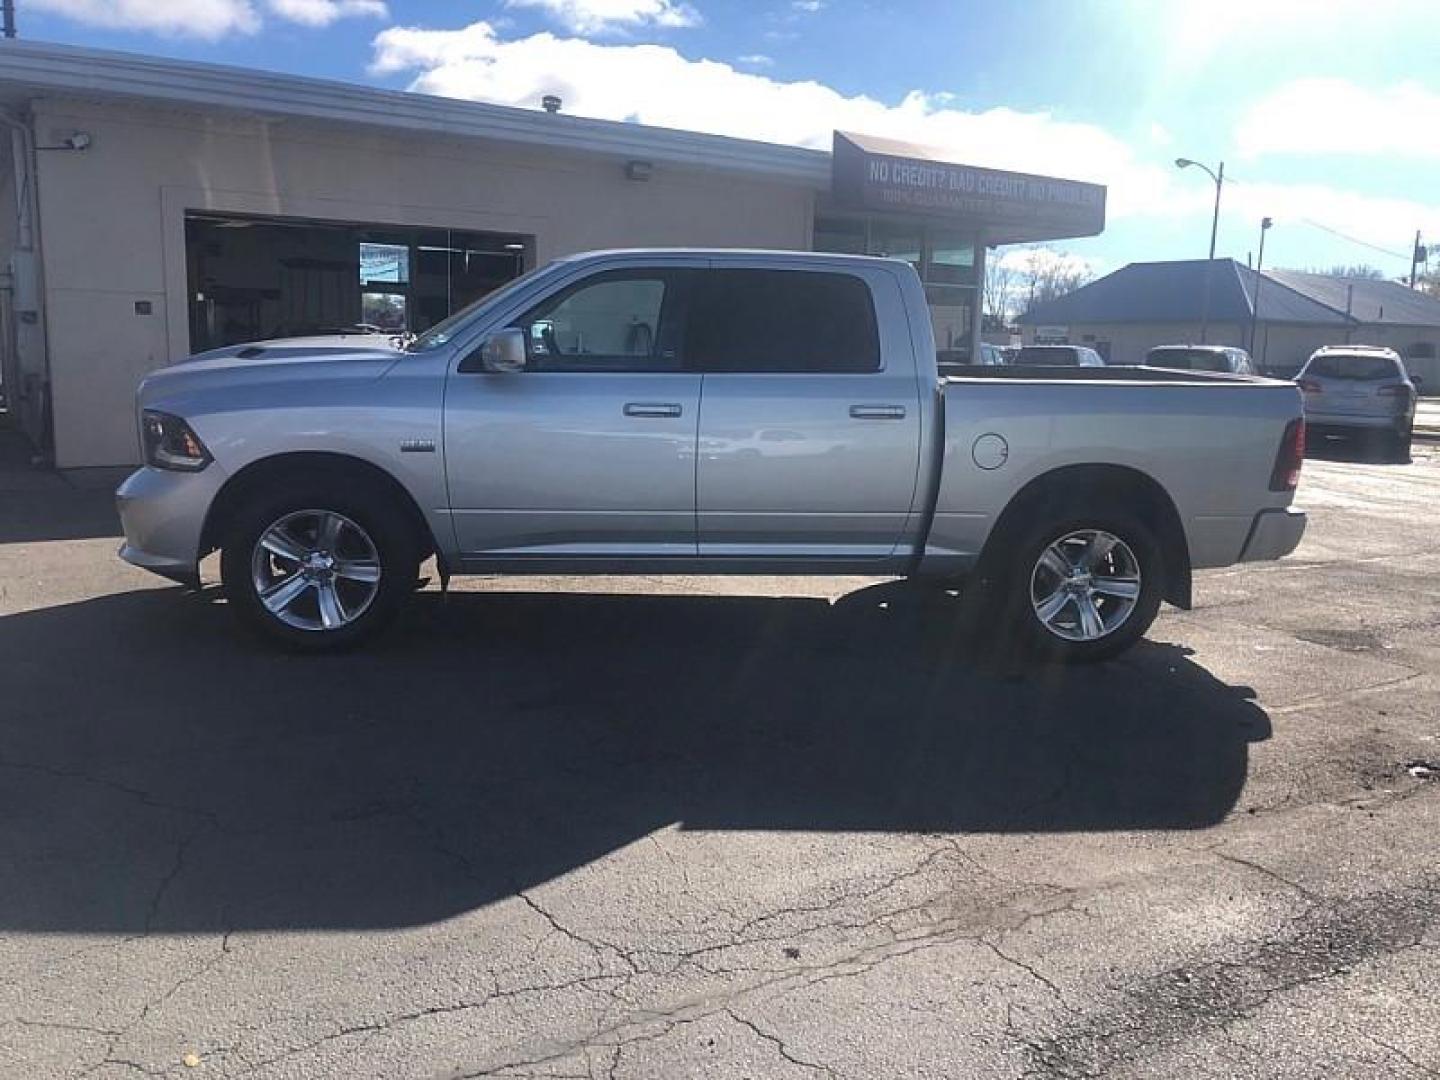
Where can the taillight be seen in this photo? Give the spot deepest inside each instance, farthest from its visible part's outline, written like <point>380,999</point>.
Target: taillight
<point>1398,390</point>
<point>1288,459</point>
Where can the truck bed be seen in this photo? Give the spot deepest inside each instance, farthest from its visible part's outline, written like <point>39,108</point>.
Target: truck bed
<point>1208,439</point>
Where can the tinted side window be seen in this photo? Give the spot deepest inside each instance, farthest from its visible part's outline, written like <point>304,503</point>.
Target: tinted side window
<point>781,321</point>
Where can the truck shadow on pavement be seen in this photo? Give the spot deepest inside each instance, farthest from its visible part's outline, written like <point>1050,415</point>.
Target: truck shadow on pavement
<point>159,772</point>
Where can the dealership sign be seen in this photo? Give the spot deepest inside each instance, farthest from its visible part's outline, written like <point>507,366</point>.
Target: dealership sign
<point>880,174</point>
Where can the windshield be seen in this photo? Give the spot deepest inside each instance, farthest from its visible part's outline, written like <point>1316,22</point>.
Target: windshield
<point>1341,366</point>
<point>1188,359</point>
<point>441,333</point>
<point>1048,355</point>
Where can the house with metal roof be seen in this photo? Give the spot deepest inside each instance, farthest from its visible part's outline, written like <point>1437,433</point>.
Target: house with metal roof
<point>1281,316</point>
<point>156,208</point>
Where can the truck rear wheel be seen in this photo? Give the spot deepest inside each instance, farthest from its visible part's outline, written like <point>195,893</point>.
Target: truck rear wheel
<point>1085,588</point>
<point>318,565</point>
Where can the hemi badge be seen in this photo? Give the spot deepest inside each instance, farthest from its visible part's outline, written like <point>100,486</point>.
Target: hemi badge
<point>417,446</point>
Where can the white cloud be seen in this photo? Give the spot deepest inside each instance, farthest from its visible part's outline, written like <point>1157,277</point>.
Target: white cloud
<point>1384,222</point>
<point>209,19</point>
<point>755,60</point>
<point>609,16</point>
<point>807,6</point>
<point>655,84</point>
<point>1334,116</point>
<point>325,12</point>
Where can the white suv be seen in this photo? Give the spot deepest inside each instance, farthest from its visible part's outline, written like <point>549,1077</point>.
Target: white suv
<point>1360,389</point>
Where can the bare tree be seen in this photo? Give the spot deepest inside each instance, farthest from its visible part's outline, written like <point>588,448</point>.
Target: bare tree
<point>1049,274</point>
<point>1358,270</point>
<point>999,292</point>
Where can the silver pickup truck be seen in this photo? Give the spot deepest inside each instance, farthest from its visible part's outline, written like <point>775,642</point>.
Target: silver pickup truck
<point>703,412</point>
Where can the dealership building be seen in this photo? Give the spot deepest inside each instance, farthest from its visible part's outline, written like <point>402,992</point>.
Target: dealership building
<point>158,208</point>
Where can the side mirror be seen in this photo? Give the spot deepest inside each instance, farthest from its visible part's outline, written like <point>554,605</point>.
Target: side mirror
<point>502,352</point>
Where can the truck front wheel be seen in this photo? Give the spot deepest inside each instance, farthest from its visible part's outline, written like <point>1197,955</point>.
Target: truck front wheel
<point>1086,588</point>
<point>318,564</point>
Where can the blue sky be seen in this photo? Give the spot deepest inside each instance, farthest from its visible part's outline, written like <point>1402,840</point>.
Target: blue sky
<point>1326,113</point>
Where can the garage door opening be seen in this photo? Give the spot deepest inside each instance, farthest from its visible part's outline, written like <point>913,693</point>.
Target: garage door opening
<point>252,278</point>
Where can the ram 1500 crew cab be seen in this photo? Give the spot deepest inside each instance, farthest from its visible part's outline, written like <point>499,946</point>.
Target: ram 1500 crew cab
<point>711,412</point>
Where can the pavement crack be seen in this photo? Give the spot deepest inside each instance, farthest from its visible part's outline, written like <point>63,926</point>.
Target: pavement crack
<point>1395,1051</point>
<point>1029,969</point>
<point>1324,942</point>
<point>1273,875</point>
<point>144,797</point>
<point>780,1047</point>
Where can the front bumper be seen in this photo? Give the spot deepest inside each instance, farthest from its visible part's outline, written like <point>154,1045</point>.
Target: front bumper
<point>1274,534</point>
<point>163,514</point>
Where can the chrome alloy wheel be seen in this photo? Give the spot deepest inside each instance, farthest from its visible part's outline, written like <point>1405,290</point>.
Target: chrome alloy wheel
<point>315,570</point>
<point>1085,585</point>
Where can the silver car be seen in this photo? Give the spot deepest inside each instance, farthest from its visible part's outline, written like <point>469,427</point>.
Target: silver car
<point>1360,389</point>
<point>1226,358</point>
<point>1057,356</point>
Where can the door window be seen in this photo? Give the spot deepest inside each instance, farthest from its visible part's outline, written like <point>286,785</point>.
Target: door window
<point>781,321</point>
<point>609,322</point>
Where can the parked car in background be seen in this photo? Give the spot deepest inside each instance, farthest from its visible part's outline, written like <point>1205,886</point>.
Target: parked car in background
<point>1360,390</point>
<point>782,414</point>
<point>1057,356</point>
<point>951,359</point>
<point>1226,358</point>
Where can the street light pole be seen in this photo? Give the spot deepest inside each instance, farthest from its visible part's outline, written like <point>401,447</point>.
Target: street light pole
<point>1265,224</point>
<point>1219,178</point>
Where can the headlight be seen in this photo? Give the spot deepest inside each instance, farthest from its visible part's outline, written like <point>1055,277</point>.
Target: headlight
<point>170,444</point>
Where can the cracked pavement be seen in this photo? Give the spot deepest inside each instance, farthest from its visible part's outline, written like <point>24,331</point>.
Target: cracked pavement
<point>724,827</point>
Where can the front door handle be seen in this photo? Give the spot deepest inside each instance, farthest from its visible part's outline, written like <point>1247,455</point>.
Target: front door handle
<point>877,412</point>
<point>652,408</point>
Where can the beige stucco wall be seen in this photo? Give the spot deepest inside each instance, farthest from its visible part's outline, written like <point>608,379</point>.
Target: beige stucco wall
<point>112,219</point>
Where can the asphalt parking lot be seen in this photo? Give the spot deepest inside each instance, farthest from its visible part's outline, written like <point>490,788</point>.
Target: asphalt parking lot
<point>724,828</point>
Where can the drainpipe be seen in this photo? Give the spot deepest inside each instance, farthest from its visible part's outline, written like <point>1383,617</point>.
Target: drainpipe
<point>26,277</point>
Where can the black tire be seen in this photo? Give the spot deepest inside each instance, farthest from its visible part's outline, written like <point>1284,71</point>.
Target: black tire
<point>1012,587</point>
<point>381,523</point>
<point>1399,447</point>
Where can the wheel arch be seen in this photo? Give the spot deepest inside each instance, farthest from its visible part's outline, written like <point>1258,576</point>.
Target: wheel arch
<point>258,473</point>
<point>1121,485</point>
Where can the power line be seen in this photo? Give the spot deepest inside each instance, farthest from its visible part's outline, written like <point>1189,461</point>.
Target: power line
<point>1404,256</point>
<point>1363,243</point>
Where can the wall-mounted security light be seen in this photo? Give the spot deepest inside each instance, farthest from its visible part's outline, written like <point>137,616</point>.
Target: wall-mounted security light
<point>76,140</point>
<point>639,170</point>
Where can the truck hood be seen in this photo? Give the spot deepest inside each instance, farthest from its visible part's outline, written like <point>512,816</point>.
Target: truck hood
<point>281,360</point>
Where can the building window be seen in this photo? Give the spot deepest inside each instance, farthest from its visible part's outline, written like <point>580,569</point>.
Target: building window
<point>1421,350</point>
<point>253,278</point>
<point>944,258</point>
<point>384,264</point>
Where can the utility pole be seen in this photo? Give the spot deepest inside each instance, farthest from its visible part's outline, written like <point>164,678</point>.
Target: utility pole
<point>8,7</point>
<point>1418,255</point>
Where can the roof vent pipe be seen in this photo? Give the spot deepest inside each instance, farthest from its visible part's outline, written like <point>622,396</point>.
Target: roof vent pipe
<point>550,103</point>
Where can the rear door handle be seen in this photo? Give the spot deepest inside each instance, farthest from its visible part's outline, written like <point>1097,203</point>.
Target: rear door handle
<point>652,408</point>
<point>877,412</point>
